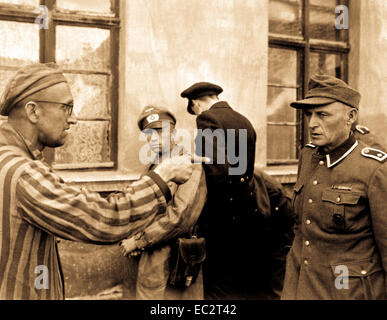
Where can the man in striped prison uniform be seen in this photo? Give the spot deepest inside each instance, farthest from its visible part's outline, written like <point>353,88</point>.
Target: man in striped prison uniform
<point>36,206</point>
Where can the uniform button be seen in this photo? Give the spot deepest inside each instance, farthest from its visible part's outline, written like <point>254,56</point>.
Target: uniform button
<point>315,182</point>
<point>242,179</point>
<point>338,219</point>
<point>307,243</point>
<point>251,193</point>
<point>310,201</point>
<point>338,199</point>
<point>308,221</point>
<point>366,151</point>
<point>276,208</point>
<point>306,262</point>
<point>380,155</point>
<point>231,199</point>
<point>363,272</point>
<point>321,163</point>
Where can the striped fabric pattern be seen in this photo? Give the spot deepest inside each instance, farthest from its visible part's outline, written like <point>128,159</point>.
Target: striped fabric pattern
<point>36,207</point>
<point>182,212</point>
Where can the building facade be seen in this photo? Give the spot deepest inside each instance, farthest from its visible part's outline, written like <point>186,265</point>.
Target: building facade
<point>121,55</point>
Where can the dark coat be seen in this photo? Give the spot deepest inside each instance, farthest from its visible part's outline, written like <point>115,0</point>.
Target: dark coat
<point>234,219</point>
<point>340,203</point>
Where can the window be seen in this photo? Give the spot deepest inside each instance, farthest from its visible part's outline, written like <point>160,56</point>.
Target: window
<point>303,41</point>
<point>81,37</point>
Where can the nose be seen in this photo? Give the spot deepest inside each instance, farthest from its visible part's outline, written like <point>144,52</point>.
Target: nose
<point>313,121</point>
<point>154,136</point>
<point>72,119</point>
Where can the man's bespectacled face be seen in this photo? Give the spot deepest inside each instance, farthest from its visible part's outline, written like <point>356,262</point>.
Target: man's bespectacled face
<point>57,115</point>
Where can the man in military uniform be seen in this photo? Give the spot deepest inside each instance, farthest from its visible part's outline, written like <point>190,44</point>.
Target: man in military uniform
<point>340,245</point>
<point>154,242</point>
<point>230,218</point>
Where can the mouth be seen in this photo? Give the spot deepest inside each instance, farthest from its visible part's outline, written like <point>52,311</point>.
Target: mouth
<point>155,146</point>
<point>315,135</point>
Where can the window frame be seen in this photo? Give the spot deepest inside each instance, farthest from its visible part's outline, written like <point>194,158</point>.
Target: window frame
<point>304,45</point>
<point>47,53</point>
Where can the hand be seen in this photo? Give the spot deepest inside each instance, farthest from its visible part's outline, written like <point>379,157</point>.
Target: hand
<point>127,246</point>
<point>178,168</point>
<point>136,253</point>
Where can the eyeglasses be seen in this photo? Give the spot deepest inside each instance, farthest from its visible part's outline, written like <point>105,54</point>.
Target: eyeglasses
<point>68,107</point>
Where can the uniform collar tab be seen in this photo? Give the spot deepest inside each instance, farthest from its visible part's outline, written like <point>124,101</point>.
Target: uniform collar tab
<point>341,152</point>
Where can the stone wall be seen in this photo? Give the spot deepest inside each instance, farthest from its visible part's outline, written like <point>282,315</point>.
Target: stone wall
<point>368,67</point>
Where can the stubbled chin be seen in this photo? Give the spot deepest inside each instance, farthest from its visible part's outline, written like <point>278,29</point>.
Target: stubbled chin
<point>316,141</point>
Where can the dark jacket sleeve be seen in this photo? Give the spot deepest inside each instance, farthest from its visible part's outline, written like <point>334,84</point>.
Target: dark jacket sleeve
<point>276,206</point>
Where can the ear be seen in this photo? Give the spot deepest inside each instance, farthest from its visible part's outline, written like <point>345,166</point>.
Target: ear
<point>173,133</point>
<point>32,111</point>
<point>352,116</point>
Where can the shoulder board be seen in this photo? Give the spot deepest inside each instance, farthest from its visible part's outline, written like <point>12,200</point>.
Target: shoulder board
<point>376,154</point>
<point>310,145</point>
<point>362,129</point>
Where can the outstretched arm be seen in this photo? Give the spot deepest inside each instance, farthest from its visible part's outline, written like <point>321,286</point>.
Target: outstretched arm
<point>181,215</point>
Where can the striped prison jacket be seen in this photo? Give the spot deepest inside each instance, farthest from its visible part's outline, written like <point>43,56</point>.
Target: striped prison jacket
<point>36,206</point>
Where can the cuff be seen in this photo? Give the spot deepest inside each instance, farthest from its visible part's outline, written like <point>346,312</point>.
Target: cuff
<point>162,185</point>
<point>141,241</point>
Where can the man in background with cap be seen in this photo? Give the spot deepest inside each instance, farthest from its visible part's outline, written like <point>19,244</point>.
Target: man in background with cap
<point>231,219</point>
<point>362,133</point>
<point>37,206</point>
<point>154,242</point>
<point>340,245</point>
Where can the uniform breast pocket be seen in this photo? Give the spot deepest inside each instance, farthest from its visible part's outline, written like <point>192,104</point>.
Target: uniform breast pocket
<point>339,208</point>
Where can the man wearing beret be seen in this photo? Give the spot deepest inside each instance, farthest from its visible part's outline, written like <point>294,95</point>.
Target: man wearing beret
<point>154,242</point>
<point>37,206</point>
<point>340,245</point>
<point>230,218</point>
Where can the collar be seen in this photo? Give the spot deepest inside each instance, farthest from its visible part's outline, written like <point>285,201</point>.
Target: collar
<point>220,104</point>
<point>341,152</point>
<point>14,137</point>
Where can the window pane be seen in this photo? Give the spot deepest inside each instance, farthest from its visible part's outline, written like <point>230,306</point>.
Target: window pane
<point>285,17</point>
<point>323,63</point>
<point>323,19</point>
<point>5,75</point>
<point>19,43</point>
<point>98,6</point>
<point>278,104</point>
<point>331,4</point>
<point>281,143</point>
<point>91,95</point>
<point>282,67</point>
<point>31,3</point>
<point>87,142</point>
<point>83,48</point>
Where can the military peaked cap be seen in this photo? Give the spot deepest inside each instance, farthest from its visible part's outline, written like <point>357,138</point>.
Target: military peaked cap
<point>200,89</point>
<point>325,89</point>
<point>152,117</point>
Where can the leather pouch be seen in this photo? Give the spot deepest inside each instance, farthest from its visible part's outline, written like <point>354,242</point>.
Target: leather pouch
<point>187,255</point>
